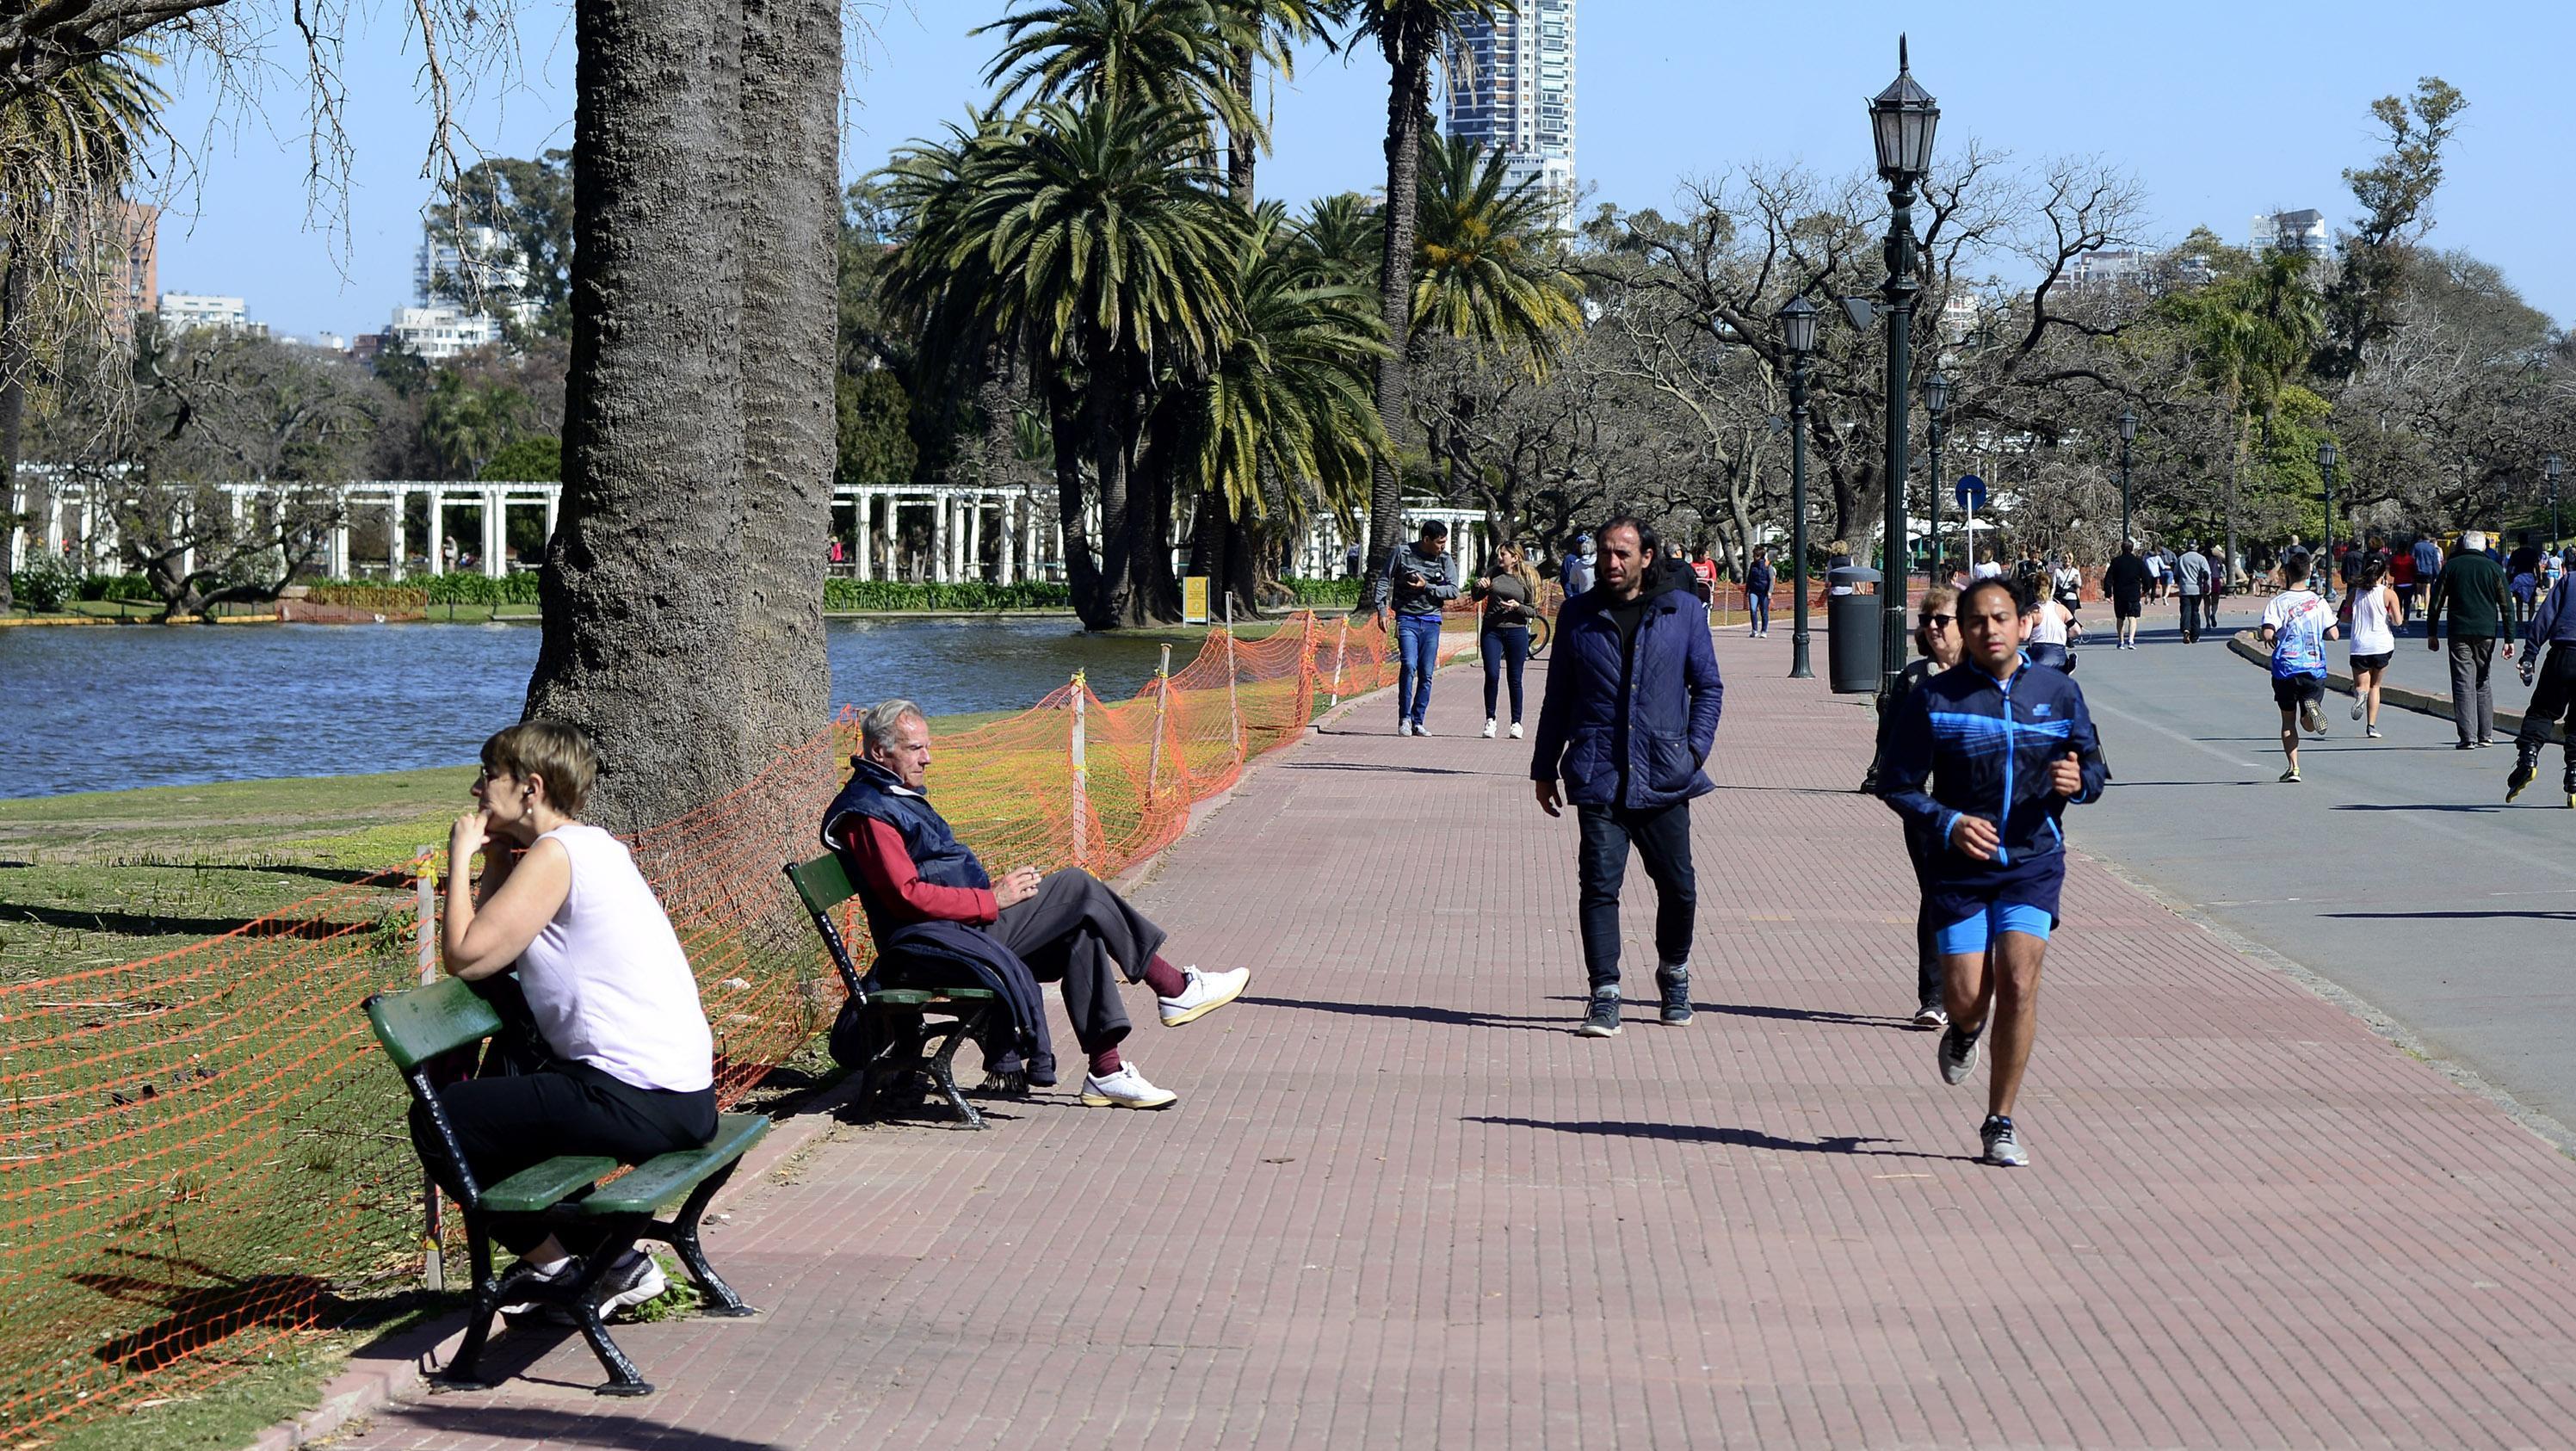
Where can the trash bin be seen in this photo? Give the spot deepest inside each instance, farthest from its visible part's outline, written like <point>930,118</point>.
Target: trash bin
<point>1851,630</point>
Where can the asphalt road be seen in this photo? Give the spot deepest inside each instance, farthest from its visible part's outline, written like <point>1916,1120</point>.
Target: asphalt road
<point>2394,869</point>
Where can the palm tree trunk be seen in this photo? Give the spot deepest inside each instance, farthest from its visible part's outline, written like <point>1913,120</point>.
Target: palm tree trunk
<point>790,226</point>
<point>1066,424</point>
<point>1112,452</point>
<point>1407,95</point>
<point>1239,154</point>
<point>643,582</point>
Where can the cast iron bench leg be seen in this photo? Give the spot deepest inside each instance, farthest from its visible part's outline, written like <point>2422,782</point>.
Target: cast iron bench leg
<point>721,1299</point>
<point>582,1300</point>
<point>943,1072</point>
<point>459,1375</point>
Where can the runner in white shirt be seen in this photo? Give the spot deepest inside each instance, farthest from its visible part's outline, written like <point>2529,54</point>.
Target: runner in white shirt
<point>2375,615</point>
<point>2296,624</point>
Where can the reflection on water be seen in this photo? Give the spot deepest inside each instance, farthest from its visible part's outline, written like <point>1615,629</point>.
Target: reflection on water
<point>102,709</point>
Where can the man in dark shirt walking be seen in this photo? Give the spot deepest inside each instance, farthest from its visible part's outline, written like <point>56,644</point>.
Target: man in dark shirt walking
<point>2472,590</point>
<point>1631,711</point>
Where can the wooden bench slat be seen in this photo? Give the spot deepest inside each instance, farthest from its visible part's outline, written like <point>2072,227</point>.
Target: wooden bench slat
<point>664,1178</point>
<point>913,997</point>
<point>540,1186</point>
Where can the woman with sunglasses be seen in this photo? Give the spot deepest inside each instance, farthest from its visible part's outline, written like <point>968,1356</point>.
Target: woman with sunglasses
<point>1936,635</point>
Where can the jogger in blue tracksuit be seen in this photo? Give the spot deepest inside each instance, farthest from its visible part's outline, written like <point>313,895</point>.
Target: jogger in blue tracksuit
<point>1984,758</point>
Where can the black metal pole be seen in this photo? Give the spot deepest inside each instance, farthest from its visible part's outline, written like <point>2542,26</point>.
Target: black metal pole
<point>1899,291</point>
<point>1798,665</point>
<point>1940,557</point>
<point>2125,535</point>
<point>2326,562</point>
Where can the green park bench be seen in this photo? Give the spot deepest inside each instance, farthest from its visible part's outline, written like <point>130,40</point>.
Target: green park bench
<point>418,1025</point>
<point>902,1015</point>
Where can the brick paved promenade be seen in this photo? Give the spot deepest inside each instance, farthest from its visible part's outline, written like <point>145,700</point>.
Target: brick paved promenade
<point>1400,1205</point>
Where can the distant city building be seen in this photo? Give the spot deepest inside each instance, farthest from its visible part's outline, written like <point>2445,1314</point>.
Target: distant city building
<point>1511,89</point>
<point>187,312</point>
<point>133,266</point>
<point>2300,231</point>
<point>1959,317</point>
<point>441,332</point>
<point>2108,267</point>
<point>330,342</point>
<point>465,262</point>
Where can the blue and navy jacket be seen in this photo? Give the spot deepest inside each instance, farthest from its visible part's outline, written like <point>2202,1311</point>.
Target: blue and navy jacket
<point>936,852</point>
<point>1667,722</point>
<point>1966,744</point>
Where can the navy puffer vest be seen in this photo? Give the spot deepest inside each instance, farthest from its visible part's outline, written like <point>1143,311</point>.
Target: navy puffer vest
<point>937,854</point>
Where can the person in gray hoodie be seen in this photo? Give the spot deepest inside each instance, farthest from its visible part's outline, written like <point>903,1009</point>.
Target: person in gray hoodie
<point>2191,579</point>
<point>1418,579</point>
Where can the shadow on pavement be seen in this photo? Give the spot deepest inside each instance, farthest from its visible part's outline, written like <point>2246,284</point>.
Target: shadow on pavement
<point>459,1413</point>
<point>1709,1134</point>
<point>1450,1017</point>
<point>1372,766</point>
<point>1760,1010</point>
<point>2541,915</point>
<point>2415,806</point>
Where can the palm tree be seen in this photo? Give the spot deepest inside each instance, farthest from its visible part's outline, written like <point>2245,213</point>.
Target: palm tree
<point>1490,272</point>
<point>1095,236</point>
<point>1139,52</point>
<point>465,423</point>
<point>2251,335</point>
<point>1341,236</point>
<point>1412,35</point>
<point>67,149</point>
<point>1255,31</point>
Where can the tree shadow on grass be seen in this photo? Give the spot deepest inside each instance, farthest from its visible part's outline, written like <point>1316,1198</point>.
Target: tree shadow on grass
<point>1712,1134</point>
<point>143,924</point>
<point>202,1306</point>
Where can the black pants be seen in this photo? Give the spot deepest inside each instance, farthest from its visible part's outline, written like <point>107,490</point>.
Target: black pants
<point>1078,931</point>
<point>514,1121</point>
<point>1662,840</point>
<point>1505,648</point>
<point>2551,695</point>
<point>2190,619</point>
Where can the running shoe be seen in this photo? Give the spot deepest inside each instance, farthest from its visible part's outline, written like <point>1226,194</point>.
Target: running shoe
<point>2311,719</point>
<point>2003,1146</point>
<point>561,1274</point>
<point>1489,727</point>
<point>2372,732</point>
<point>1674,984</point>
<point>2357,703</point>
<point>1957,1053</point>
<point>1125,1088</point>
<point>1204,993</point>
<point>2522,774</point>
<point>1516,730</point>
<point>1930,1016</point>
<point>2485,741</point>
<point>1603,1019</point>
<point>2290,777</point>
<point>636,1279</point>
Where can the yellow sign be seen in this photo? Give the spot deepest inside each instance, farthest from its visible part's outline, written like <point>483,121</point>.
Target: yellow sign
<point>1194,599</point>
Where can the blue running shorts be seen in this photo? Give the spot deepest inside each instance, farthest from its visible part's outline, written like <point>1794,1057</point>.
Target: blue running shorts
<point>1975,933</point>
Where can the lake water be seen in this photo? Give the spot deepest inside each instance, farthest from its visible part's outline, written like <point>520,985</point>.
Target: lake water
<point>102,709</point>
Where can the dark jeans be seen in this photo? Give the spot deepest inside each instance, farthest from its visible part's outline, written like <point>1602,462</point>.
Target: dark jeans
<point>2551,695</point>
<point>1757,610</point>
<point>516,1121</point>
<point>1505,646</point>
<point>1927,956</point>
<point>1417,650</point>
<point>1078,931</point>
<point>1662,839</point>
<point>2190,619</point>
<point>2472,694</point>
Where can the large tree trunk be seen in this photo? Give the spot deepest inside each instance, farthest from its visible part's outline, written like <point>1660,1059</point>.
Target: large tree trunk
<point>643,582</point>
<point>1240,156</point>
<point>1081,572</point>
<point>790,224</point>
<point>14,363</point>
<point>1408,80</point>
<point>1108,410</point>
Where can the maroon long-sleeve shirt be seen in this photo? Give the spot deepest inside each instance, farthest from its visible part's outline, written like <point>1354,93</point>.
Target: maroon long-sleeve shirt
<point>894,883</point>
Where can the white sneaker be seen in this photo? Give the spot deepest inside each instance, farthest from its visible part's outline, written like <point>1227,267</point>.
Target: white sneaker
<point>1489,728</point>
<point>635,1279</point>
<point>1420,729</point>
<point>1205,993</point>
<point>1125,1088</point>
<point>562,1272</point>
<point>1516,730</point>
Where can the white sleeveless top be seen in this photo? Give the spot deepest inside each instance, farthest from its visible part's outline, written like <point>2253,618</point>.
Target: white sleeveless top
<point>607,980</point>
<point>2048,629</point>
<point>2370,632</point>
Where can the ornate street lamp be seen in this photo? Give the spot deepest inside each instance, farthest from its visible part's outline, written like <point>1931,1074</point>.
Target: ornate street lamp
<point>2325,467</point>
<point>2128,435</point>
<point>1798,334</point>
<point>1936,402</point>
<point>1902,119</point>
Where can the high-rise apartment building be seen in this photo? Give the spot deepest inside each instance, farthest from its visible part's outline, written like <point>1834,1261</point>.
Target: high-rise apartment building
<point>1511,88</point>
<point>132,274</point>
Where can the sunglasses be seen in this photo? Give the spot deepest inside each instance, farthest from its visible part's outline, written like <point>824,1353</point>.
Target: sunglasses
<point>1937,621</point>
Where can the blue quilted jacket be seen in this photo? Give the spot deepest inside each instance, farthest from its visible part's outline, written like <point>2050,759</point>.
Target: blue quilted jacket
<point>1966,744</point>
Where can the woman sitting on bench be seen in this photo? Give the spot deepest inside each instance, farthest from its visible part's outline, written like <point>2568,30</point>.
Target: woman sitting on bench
<point>626,1064</point>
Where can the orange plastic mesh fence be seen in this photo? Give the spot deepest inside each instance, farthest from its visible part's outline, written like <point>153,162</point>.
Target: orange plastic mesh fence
<point>203,1155</point>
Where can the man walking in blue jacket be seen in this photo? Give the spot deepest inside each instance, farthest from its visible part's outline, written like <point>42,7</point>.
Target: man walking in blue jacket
<point>1630,712</point>
<point>1984,758</point>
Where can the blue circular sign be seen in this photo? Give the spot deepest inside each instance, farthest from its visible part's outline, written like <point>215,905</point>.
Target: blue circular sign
<point>1972,492</point>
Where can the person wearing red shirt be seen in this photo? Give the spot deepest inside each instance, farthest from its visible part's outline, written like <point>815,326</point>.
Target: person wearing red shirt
<point>1068,925</point>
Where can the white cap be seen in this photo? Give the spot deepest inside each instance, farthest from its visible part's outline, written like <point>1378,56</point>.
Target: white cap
<point>2474,541</point>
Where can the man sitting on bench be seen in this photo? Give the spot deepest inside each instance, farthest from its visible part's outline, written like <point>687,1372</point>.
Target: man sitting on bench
<point>1065,924</point>
<point>627,1062</point>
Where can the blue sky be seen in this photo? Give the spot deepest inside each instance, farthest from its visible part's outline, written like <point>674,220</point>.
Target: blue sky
<point>2219,110</point>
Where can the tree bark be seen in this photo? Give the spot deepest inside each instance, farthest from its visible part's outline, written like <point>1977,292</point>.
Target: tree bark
<point>643,584</point>
<point>1066,424</point>
<point>1408,72</point>
<point>1240,156</point>
<point>790,226</point>
<point>14,363</point>
<point>1108,409</point>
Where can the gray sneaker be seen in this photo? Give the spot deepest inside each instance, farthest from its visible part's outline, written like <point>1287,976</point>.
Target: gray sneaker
<point>1931,1015</point>
<point>1603,1019</point>
<point>2003,1146</point>
<point>1675,985</point>
<point>1957,1052</point>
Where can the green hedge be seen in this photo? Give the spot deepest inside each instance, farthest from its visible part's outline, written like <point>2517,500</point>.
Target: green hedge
<point>118,587</point>
<point>475,589</point>
<point>388,599</point>
<point>884,594</point>
<point>1319,593</point>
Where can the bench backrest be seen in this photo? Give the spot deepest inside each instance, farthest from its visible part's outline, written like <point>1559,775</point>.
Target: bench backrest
<point>823,884</point>
<point>417,1024</point>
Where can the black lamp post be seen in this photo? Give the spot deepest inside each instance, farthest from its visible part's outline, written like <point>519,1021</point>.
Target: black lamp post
<point>1936,401</point>
<point>2549,471</point>
<point>1798,332</point>
<point>2326,565</point>
<point>1902,119</point>
<point>2128,435</point>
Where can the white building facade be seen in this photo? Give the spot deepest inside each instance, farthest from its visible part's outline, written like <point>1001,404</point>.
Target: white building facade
<point>441,332</point>
<point>185,312</point>
<point>1511,89</point>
